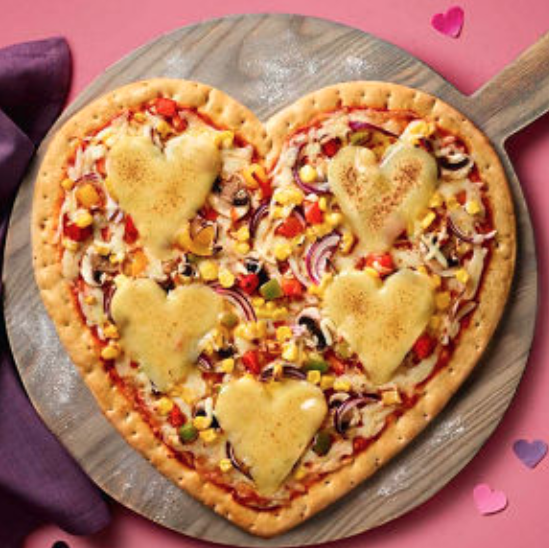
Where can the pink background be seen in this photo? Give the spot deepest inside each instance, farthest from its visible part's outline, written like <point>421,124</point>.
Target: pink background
<point>495,32</point>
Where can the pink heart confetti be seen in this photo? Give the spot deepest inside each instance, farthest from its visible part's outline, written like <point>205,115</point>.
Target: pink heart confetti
<point>530,453</point>
<point>488,501</point>
<point>449,23</point>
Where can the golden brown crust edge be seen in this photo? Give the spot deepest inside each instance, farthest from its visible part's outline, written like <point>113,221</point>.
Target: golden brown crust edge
<point>225,111</point>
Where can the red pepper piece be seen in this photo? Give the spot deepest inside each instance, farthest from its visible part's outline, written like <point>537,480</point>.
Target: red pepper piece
<point>338,366</point>
<point>176,417</point>
<point>130,232</point>
<point>331,147</point>
<point>360,443</point>
<point>290,227</point>
<point>382,262</point>
<point>313,213</point>
<point>179,124</point>
<point>76,233</point>
<point>166,107</point>
<point>266,188</point>
<point>424,346</point>
<point>292,287</point>
<point>250,360</point>
<point>248,283</point>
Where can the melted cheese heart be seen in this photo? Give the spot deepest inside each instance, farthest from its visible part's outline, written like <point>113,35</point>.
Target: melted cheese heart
<point>380,200</point>
<point>270,425</point>
<point>380,320</point>
<point>161,331</point>
<point>162,189</point>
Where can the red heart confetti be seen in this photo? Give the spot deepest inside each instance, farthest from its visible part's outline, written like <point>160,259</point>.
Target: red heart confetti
<point>489,501</point>
<point>449,23</point>
<point>530,453</point>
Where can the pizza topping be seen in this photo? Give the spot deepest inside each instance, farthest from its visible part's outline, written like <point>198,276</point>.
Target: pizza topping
<point>262,420</point>
<point>380,321</point>
<point>161,331</point>
<point>162,189</point>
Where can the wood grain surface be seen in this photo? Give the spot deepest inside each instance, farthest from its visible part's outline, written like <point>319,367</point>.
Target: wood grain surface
<point>266,62</point>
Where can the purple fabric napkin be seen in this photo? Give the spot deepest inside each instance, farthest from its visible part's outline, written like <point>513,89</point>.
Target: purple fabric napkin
<point>39,481</point>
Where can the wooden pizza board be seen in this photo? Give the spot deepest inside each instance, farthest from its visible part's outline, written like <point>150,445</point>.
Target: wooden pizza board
<point>266,62</point>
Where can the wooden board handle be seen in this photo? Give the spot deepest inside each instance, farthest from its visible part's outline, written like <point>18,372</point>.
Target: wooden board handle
<point>517,96</point>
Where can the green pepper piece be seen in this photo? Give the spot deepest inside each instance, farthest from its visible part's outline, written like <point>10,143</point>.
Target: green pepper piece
<point>188,433</point>
<point>316,364</point>
<point>271,290</point>
<point>359,137</point>
<point>322,443</point>
<point>228,319</point>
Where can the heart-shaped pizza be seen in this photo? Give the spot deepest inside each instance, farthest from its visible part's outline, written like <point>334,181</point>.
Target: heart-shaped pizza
<point>270,313</point>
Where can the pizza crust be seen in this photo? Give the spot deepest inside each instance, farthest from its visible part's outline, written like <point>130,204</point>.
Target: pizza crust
<point>226,112</point>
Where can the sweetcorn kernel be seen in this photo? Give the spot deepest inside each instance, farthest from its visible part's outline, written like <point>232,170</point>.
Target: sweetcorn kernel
<point>90,299</point>
<point>347,241</point>
<point>242,248</point>
<point>300,473</point>
<point>242,234</point>
<point>372,272</point>
<point>163,128</point>
<point>279,313</point>
<point>422,270</point>
<point>67,184</point>
<point>290,352</point>
<point>427,221</point>
<point>442,300</point>
<point>208,270</point>
<point>436,281</point>
<point>333,219</point>
<point>436,200</point>
<point>116,258</point>
<point>208,436</point>
<point>202,423</point>
<point>314,376</point>
<point>226,278</point>
<point>139,117</point>
<point>83,219</point>
<point>472,207</point>
<point>462,276</point>
<point>323,203</point>
<point>227,365</point>
<point>391,397</point>
<point>164,405</point>
<point>341,385</point>
<point>70,245</point>
<point>258,302</point>
<point>111,331</point>
<point>452,203</point>
<point>225,465</point>
<point>282,251</point>
<point>101,248</point>
<point>110,352</point>
<point>283,333</point>
<point>307,173</point>
<point>327,382</point>
<point>224,139</point>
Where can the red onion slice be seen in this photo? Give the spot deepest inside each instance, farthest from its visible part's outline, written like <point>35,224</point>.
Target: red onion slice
<point>318,255</point>
<point>238,299</point>
<point>296,271</point>
<point>360,126</point>
<point>347,406</point>
<point>288,372</point>
<point>235,462</point>
<point>256,218</point>
<point>204,363</point>
<point>318,188</point>
<point>474,237</point>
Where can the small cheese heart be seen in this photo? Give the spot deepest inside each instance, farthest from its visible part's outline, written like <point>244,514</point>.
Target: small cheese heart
<point>530,453</point>
<point>449,23</point>
<point>162,189</point>
<point>488,501</point>
<point>381,200</point>
<point>270,425</point>
<point>161,332</point>
<point>380,320</point>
